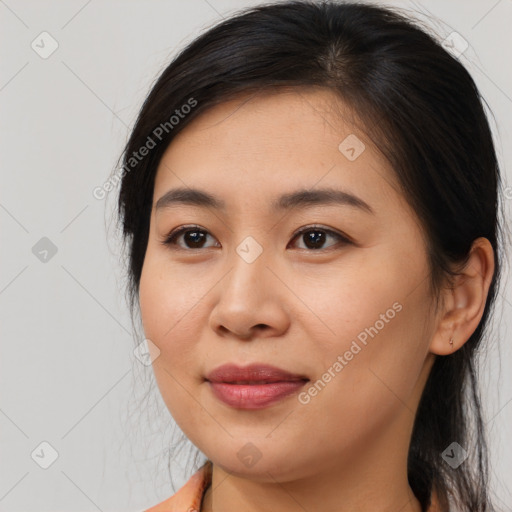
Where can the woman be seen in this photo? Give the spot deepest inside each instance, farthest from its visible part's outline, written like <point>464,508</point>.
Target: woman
<point>310,202</point>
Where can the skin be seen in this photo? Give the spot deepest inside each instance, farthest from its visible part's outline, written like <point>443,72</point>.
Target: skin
<point>296,307</point>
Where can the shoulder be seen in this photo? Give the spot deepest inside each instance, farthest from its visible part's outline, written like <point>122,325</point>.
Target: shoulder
<point>188,498</point>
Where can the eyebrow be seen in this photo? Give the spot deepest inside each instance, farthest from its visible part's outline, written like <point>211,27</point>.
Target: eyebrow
<point>303,197</point>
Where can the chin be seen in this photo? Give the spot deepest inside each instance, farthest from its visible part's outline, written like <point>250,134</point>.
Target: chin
<point>257,464</point>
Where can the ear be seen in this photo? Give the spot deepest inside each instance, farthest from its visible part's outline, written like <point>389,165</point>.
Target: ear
<point>464,302</point>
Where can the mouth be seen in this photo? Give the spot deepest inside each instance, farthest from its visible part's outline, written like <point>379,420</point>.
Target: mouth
<point>253,387</point>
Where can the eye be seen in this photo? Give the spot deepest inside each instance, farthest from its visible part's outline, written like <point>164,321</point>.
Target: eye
<point>194,237</point>
<point>315,236</point>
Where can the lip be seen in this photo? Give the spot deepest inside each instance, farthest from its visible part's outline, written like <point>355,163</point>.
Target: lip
<point>253,387</point>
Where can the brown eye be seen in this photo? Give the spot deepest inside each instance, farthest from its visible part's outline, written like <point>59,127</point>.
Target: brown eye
<point>314,238</point>
<point>193,237</point>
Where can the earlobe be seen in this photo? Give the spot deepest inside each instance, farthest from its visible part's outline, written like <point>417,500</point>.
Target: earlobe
<point>464,302</point>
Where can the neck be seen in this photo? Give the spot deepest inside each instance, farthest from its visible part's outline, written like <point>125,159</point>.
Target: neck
<point>372,478</point>
<point>231,496</point>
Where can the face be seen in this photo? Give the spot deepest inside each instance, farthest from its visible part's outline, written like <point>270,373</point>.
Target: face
<point>331,289</point>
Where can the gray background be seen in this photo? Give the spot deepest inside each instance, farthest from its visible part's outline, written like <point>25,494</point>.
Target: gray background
<point>68,372</point>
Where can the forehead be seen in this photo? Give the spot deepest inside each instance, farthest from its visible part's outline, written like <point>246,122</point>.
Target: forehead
<point>259,144</point>
<point>284,117</point>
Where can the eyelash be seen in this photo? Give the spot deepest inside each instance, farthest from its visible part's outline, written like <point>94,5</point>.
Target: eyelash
<point>170,239</point>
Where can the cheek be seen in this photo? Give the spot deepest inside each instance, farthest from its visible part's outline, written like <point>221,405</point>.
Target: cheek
<point>168,300</point>
<point>173,319</point>
<point>368,333</point>
<point>376,362</point>
<point>348,301</point>
<point>364,386</point>
<point>169,313</point>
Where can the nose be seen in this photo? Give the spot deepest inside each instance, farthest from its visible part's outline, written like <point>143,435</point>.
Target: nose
<point>251,300</point>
